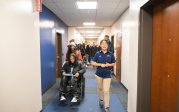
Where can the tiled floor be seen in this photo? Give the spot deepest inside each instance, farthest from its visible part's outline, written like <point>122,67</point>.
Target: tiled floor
<point>118,97</point>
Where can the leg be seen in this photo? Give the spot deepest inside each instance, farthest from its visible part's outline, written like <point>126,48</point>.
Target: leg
<point>76,86</point>
<point>63,85</point>
<point>76,90</point>
<point>106,90</point>
<point>99,81</point>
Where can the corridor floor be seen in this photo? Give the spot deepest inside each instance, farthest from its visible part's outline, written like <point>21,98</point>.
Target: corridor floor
<point>118,97</point>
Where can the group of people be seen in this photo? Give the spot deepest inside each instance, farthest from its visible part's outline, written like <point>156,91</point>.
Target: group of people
<point>84,52</point>
<point>100,56</point>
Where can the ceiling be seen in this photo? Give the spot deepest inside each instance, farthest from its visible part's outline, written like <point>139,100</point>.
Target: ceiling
<point>107,12</point>
<point>90,32</point>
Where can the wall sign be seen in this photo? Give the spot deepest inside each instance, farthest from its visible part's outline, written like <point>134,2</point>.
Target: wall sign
<point>39,5</point>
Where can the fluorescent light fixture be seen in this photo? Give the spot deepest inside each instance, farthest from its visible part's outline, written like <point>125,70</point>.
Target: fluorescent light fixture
<point>86,5</point>
<point>89,23</point>
<point>89,31</point>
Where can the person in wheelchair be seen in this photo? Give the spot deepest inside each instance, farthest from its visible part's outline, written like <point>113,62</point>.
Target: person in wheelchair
<point>77,69</point>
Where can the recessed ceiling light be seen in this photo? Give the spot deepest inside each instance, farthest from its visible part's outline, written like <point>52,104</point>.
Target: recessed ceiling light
<point>89,23</point>
<point>86,5</point>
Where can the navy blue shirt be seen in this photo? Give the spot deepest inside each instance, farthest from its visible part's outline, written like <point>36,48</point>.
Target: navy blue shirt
<point>100,57</point>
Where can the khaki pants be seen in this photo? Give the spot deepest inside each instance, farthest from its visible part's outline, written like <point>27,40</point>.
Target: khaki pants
<point>103,89</point>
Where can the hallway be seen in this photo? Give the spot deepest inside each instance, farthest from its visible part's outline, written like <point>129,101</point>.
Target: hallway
<point>37,36</point>
<point>90,102</point>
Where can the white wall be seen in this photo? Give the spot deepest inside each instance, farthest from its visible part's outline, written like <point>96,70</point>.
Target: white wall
<point>122,29</point>
<point>128,25</point>
<point>90,41</point>
<point>78,38</point>
<point>106,31</point>
<point>20,86</point>
<point>101,37</point>
<point>71,33</point>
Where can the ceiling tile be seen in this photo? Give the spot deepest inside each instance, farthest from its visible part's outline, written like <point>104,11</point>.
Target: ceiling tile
<point>105,15</point>
<point>108,5</point>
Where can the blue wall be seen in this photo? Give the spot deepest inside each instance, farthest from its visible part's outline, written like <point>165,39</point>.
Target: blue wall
<point>49,24</point>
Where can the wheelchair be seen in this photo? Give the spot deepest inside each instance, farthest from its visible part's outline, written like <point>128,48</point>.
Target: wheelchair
<point>73,85</point>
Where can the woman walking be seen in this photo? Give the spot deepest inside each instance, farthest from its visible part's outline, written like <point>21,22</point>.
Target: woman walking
<point>104,60</point>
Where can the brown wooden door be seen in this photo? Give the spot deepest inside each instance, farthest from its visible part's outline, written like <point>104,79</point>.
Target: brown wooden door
<point>165,57</point>
<point>58,54</point>
<point>118,56</point>
<point>112,41</point>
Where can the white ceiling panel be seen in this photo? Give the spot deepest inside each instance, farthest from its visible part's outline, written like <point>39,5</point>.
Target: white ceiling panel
<point>87,11</point>
<point>64,1</point>
<point>106,13</point>
<point>88,19</point>
<point>107,5</point>
<point>68,6</point>
<point>103,11</point>
<point>69,12</point>
<point>108,0</point>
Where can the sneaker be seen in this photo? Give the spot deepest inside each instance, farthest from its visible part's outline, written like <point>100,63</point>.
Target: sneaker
<point>101,103</point>
<point>62,98</point>
<point>74,99</point>
<point>107,109</point>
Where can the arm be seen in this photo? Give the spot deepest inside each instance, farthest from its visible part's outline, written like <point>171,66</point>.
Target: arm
<point>110,64</point>
<point>82,69</point>
<point>78,53</point>
<point>113,62</point>
<point>95,63</point>
<point>64,67</point>
<point>102,65</point>
<point>80,56</point>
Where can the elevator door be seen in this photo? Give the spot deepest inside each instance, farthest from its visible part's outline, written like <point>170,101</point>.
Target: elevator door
<point>165,57</point>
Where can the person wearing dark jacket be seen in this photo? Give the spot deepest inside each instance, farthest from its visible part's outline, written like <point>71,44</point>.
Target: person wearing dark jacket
<point>110,46</point>
<point>73,67</point>
<point>88,52</point>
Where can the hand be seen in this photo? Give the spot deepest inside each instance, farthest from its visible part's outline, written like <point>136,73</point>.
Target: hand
<point>103,65</point>
<point>107,64</point>
<point>77,74</point>
<point>63,73</point>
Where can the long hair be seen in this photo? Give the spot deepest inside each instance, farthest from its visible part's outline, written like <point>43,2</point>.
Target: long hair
<point>69,52</point>
<point>76,60</point>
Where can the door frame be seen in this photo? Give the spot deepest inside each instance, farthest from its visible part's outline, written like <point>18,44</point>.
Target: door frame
<point>118,35</point>
<point>58,39</point>
<point>145,57</point>
<point>112,40</point>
